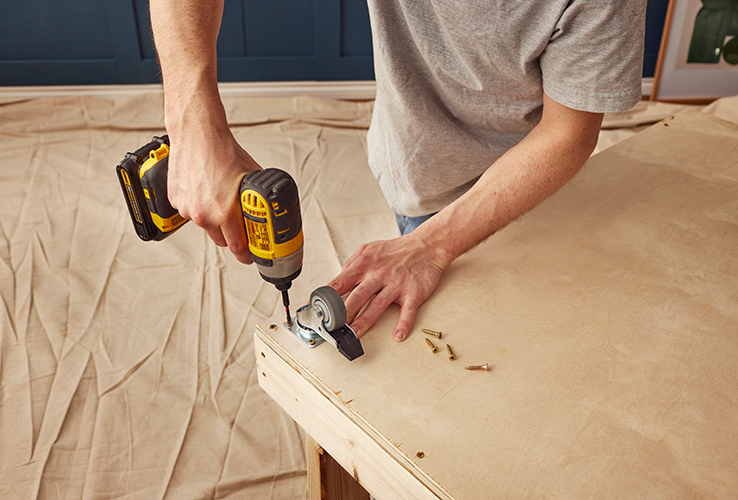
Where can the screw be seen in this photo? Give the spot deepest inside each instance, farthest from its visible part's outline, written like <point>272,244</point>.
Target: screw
<point>431,332</point>
<point>478,367</point>
<point>433,348</point>
<point>420,454</point>
<point>451,355</point>
<point>272,326</point>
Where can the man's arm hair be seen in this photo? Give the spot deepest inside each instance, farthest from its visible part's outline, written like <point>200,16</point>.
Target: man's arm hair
<point>522,178</point>
<point>185,35</point>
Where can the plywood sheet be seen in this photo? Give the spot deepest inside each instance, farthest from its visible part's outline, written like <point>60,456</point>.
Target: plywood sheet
<point>608,316</point>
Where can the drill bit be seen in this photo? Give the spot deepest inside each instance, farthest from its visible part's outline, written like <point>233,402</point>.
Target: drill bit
<point>286,301</point>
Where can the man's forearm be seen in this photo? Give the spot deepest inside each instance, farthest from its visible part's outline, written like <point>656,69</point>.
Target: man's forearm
<point>521,179</point>
<point>206,163</point>
<point>186,34</point>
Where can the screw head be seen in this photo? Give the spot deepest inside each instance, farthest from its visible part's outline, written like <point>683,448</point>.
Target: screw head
<point>451,355</point>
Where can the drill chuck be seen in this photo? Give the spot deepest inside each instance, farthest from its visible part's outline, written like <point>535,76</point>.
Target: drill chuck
<point>281,270</point>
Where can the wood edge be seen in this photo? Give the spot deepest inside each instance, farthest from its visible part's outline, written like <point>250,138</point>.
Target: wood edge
<point>662,50</point>
<point>349,413</point>
<point>701,102</point>
<point>313,453</point>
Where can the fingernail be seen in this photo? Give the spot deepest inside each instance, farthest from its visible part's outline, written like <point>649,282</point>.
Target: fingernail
<point>399,335</point>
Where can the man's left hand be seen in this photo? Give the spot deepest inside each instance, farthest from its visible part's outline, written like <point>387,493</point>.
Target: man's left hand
<point>401,270</point>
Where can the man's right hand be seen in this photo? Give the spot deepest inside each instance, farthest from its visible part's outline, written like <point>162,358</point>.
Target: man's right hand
<point>205,175</point>
<point>206,164</point>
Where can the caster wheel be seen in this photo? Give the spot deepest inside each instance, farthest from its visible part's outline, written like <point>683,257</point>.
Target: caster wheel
<point>327,300</point>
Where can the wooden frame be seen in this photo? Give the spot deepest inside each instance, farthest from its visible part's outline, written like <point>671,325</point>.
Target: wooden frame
<point>680,75</point>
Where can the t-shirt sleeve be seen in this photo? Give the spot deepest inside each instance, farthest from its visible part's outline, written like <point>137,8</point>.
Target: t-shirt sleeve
<point>594,59</point>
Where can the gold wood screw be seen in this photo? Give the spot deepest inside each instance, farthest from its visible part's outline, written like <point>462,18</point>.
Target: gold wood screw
<point>451,355</point>
<point>485,366</point>
<point>433,348</point>
<point>431,332</point>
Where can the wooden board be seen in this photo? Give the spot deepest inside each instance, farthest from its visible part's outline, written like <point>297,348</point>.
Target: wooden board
<point>609,317</point>
<point>327,479</point>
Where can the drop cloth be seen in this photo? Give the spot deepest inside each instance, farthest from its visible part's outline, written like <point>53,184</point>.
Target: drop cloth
<point>127,368</point>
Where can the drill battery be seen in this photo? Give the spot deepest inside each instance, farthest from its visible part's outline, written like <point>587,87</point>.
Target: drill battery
<point>143,179</point>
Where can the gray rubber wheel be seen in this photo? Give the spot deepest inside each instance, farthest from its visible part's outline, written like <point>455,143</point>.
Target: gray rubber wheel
<point>327,300</point>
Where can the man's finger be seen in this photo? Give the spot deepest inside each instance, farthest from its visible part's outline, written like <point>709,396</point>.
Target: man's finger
<point>234,233</point>
<point>374,309</point>
<point>405,322</point>
<point>359,297</point>
<point>216,235</point>
<point>341,284</point>
<point>359,251</point>
<point>348,279</point>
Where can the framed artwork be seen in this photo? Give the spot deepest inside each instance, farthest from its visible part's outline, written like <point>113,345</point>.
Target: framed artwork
<point>698,57</point>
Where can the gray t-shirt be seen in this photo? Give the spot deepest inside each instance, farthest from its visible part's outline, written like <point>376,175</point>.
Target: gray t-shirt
<point>459,83</point>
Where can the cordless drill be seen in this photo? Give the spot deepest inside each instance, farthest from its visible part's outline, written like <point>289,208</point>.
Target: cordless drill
<point>269,201</point>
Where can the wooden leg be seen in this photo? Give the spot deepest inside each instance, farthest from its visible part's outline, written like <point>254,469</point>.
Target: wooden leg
<point>327,480</point>
<point>314,453</point>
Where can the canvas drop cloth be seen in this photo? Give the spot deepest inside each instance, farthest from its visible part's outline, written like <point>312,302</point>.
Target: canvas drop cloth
<point>127,368</point>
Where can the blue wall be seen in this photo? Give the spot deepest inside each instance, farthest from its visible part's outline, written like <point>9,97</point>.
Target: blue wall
<point>655,16</point>
<point>77,42</point>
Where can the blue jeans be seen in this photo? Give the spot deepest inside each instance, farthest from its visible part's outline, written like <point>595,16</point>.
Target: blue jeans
<point>409,224</point>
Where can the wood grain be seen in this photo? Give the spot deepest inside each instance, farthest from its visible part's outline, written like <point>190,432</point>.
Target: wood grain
<point>313,454</point>
<point>327,480</point>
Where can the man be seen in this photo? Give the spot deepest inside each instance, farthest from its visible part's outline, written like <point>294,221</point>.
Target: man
<point>483,110</point>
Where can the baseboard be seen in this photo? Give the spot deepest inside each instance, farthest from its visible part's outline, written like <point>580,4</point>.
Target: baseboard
<point>350,90</point>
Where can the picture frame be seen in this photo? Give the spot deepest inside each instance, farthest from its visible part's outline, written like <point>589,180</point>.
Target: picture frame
<point>698,56</point>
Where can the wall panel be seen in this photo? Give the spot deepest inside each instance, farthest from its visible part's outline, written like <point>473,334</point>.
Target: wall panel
<point>77,42</point>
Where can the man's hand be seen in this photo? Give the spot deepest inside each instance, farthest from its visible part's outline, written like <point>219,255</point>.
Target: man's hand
<point>204,179</point>
<point>402,270</point>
